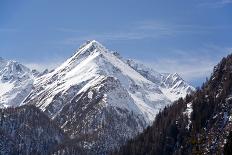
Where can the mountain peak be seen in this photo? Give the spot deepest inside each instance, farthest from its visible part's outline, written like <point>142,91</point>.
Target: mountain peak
<point>15,82</point>
<point>91,46</point>
<point>87,49</point>
<point>95,86</point>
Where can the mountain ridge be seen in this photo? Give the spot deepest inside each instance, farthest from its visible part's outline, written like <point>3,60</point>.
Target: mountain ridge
<point>198,124</point>
<point>95,90</point>
<point>99,97</point>
<point>16,82</point>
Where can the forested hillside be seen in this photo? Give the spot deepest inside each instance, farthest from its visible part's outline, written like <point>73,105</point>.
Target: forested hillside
<point>26,130</point>
<point>198,124</point>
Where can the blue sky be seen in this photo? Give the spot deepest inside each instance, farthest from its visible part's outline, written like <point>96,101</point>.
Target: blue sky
<point>184,36</point>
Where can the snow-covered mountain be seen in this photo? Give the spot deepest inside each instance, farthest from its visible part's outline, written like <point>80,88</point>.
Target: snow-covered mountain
<point>199,124</point>
<point>174,86</point>
<point>16,82</point>
<point>171,84</point>
<point>102,99</point>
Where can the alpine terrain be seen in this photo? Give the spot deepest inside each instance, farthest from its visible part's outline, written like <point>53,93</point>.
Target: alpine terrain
<point>93,103</point>
<point>26,130</point>
<point>199,124</point>
<point>103,99</point>
<point>16,82</point>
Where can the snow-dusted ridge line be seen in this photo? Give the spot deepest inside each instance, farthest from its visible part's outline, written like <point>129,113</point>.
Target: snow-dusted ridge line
<point>97,52</point>
<point>93,62</point>
<point>98,91</point>
<point>16,81</point>
<point>171,84</point>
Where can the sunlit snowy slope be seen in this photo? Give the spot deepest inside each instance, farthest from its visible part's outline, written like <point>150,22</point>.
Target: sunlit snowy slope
<point>96,92</point>
<point>16,82</point>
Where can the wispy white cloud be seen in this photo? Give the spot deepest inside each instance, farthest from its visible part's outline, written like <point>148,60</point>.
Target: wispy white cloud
<point>215,3</point>
<point>49,64</point>
<point>141,30</point>
<point>195,68</point>
<point>179,28</point>
<point>42,66</point>
<point>188,65</point>
<point>112,37</point>
<point>134,33</point>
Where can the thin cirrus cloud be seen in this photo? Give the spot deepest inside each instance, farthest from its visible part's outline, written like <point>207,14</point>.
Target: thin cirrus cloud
<point>117,36</point>
<point>176,29</point>
<point>215,3</point>
<point>191,66</point>
<point>195,68</point>
<point>42,66</point>
<point>141,30</point>
<point>137,31</point>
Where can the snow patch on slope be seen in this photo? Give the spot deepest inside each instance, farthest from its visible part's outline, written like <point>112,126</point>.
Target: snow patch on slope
<point>188,112</point>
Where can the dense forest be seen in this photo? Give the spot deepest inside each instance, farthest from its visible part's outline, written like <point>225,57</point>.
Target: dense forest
<point>198,124</point>
<point>27,130</point>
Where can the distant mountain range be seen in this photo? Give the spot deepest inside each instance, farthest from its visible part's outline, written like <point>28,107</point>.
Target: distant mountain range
<point>97,98</point>
<point>16,82</point>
